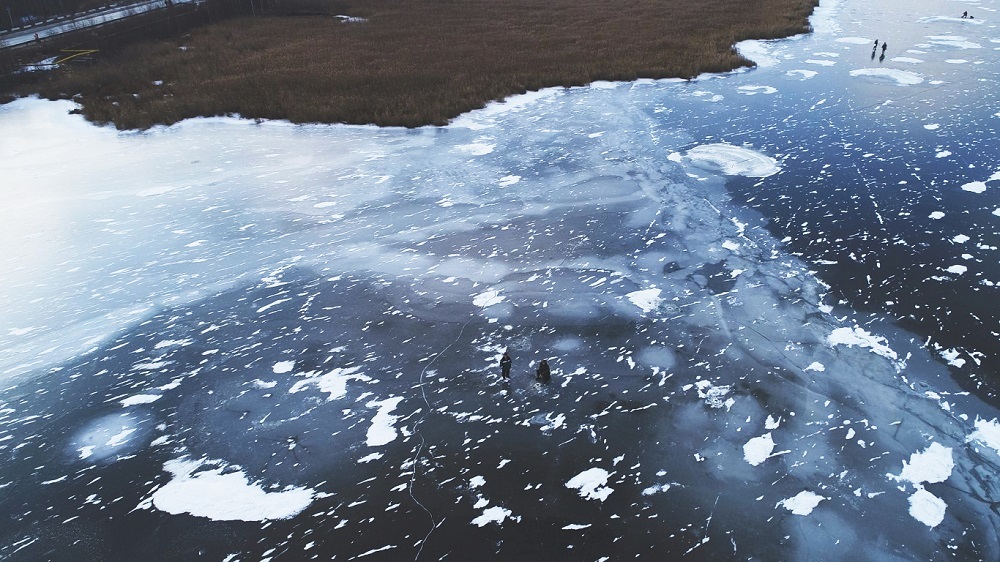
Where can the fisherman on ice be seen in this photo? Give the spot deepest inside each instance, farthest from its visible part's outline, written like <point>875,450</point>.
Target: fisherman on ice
<point>505,363</point>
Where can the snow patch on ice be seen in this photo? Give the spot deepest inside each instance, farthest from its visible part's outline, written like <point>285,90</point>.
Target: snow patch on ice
<point>803,74</point>
<point>933,464</point>
<point>592,484</point>
<point>224,496</point>
<point>975,186</point>
<point>758,449</point>
<point>476,148</point>
<point>802,503</point>
<point>382,430</point>
<point>495,514</point>
<point>647,299</point>
<point>986,433</point>
<point>858,336</point>
<point>754,90</point>
<point>900,77</point>
<point>283,367</point>
<point>488,298</point>
<point>713,395</point>
<point>140,399</point>
<point>927,508</point>
<point>333,383</point>
<point>733,160</point>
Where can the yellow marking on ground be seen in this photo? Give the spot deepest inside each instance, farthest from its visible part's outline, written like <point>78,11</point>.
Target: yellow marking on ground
<point>76,53</point>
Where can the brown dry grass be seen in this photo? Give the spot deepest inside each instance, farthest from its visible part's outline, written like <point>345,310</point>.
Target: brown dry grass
<point>417,62</point>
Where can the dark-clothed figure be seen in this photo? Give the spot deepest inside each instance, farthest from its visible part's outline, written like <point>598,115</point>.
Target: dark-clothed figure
<point>505,363</point>
<point>543,374</point>
<point>884,45</point>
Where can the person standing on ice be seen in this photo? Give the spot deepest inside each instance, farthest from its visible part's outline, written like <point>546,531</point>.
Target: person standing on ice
<point>505,363</point>
<point>543,374</point>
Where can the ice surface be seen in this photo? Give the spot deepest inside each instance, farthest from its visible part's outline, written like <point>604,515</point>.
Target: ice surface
<point>754,306</point>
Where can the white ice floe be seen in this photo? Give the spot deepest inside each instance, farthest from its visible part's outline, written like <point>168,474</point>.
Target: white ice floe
<point>382,430</point>
<point>815,366</point>
<point>508,180</point>
<point>758,449</point>
<point>986,433</point>
<point>957,269</point>
<point>802,503</point>
<point>936,215</point>
<point>733,160</point>
<point>858,336</point>
<point>901,77</point>
<point>223,496</point>
<point>592,484</point>
<point>647,299</point>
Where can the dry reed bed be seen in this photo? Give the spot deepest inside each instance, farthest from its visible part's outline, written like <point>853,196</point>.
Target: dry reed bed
<point>417,62</point>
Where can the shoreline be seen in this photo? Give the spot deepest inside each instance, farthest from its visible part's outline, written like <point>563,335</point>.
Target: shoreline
<point>409,65</point>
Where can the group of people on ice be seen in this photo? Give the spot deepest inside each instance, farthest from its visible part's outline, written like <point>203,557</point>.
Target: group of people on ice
<point>543,373</point>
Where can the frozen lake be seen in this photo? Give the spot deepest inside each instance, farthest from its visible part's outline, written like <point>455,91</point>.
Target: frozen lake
<point>769,300</point>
